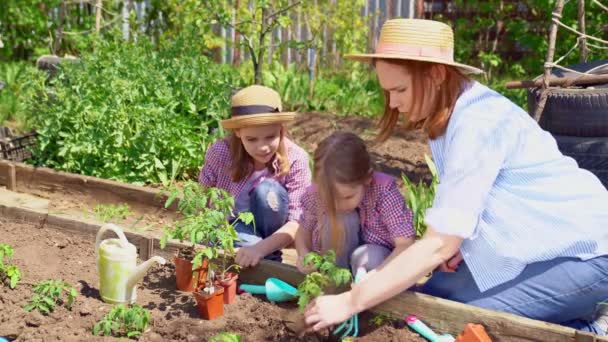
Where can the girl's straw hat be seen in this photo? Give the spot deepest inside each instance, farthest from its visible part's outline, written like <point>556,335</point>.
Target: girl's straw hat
<point>256,106</point>
<point>418,40</point>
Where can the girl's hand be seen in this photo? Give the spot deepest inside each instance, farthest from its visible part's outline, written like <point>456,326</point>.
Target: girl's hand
<point>248,256</point>
<point>452,264</point>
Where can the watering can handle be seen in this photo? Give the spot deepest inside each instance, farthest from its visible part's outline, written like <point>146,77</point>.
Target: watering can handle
<point>116,229</point>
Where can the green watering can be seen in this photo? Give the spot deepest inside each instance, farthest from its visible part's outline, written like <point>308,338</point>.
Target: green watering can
<point>275,290</point>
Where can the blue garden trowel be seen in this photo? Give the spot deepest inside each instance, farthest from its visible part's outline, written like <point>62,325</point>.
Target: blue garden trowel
<point>275,290</point>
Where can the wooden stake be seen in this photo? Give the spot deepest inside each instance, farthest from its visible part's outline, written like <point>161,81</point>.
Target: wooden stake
<point>557,12</point>
<point>59,36</point>
<point>98,16</point>
<point>560,81</point>
<point>581,25</point>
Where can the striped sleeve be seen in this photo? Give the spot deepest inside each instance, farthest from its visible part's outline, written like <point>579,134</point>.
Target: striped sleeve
<point>474,158</point>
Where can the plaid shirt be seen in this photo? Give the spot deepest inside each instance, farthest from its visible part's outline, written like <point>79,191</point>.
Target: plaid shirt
<point>216,173</point>
<point>383,214</point>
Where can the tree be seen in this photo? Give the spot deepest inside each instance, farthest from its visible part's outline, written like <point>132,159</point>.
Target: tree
<point>254,25</point>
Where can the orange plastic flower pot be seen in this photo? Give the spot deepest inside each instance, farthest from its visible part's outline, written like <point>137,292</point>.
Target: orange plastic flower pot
<point>229,285</point>
<point>210,306</point>
<point>187,279</point>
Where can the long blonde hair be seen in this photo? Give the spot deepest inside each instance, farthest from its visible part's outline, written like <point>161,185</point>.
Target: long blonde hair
<point>445,98</point>
<point>242,163</point>
<point>340,158</point>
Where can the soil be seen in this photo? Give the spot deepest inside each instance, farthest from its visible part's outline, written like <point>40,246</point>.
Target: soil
<point>43,253</point>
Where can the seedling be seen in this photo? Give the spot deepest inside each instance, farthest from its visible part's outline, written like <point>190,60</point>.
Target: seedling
<point>205,220</point>
<point>382,319</point>
<point>50,293</point>
<point>226,337</point>
<point>325,274</point>
<point>420,197</point>
<point>122,321</point>
<point>8,273</point>
<point>111,212</point>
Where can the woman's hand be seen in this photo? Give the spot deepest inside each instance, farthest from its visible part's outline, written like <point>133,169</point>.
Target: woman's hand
<point>325,311</point>
<point>452,264</point>
<point>304,268</point>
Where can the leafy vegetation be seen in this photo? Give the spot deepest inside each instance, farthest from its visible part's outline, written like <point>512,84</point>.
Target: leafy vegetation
<point>142,116</point>
<point>382,319</point>
<point>420,197</point>
<point>20,81</point>
<point>226,337</point>
<point>50,293</point>
<point>324,274</point>
<point>123,321</point>
<point>8,273</point>
<point>112,212</point>
<point>205,219</point>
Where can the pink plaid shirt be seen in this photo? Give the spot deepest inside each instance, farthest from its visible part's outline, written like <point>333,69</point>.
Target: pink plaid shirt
<point>216,173</point>
<point>383,214</point>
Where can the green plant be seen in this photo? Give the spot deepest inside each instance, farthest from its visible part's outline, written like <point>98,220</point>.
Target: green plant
<point>9,273</point>
<point>49,293</point>
<point>420,197</point>
<point>205,219</point>
<point>226,337</point>
<point>145,115</point>
<point>20,80</point>
<point>112,212</point>
<point>123,321</point>
<point>381,319</point>
<point>324,274</point>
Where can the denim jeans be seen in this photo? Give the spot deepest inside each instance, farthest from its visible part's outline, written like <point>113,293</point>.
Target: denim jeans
<point>564,291</point>
<point>269,204</point>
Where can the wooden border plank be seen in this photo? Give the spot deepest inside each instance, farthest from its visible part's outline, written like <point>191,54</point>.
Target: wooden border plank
<point>28,179</point>
<point>5,175</point>
<point>443,315</point>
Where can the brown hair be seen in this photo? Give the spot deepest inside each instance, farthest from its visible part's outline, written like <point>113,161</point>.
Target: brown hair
<point>445,98</point>
<point>242,162</point>
<point>341,158</point>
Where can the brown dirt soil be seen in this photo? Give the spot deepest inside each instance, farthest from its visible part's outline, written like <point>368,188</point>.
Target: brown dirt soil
<point>43,253</point>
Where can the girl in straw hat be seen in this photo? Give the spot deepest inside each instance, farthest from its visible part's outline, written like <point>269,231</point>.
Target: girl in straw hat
<point>263,170</point>
<point>357,212</point>
<point>517,226</point>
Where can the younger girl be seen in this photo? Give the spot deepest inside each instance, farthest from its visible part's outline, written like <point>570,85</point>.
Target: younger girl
<point>264,171</point>
<point>352,209</point>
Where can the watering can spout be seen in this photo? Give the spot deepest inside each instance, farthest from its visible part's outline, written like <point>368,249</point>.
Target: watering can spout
<point>140,271</point>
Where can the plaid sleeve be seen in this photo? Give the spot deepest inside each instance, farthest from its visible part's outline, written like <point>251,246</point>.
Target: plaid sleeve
<point>216,154</point>
<point>296,182</point>
<point>309,209</point>
<point>397,218</point>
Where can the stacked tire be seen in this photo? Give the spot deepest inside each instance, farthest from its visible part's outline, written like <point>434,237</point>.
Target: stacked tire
<point>578,119</point>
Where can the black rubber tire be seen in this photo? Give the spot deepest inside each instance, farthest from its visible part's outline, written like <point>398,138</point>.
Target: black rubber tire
<point>590,153</point>
<point>579,112</point>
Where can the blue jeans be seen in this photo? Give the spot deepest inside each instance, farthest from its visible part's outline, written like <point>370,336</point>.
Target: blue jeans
<point>564,291</point>
<point>269,204</point>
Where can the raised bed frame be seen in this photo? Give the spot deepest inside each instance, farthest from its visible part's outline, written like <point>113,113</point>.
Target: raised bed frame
<point>443,315</point>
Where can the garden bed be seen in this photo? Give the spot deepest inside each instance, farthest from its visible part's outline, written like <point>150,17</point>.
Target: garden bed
<point>44,253</point>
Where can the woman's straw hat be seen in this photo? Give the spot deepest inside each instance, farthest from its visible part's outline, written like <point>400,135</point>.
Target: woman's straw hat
<point>417,40</point>
<point>256,106</point>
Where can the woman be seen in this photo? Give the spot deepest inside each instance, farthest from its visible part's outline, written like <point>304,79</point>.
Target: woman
<point>527,222</point>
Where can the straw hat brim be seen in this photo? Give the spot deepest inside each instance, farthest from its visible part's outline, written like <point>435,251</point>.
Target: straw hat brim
<point>367,58</point>
<point>258,120</point>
